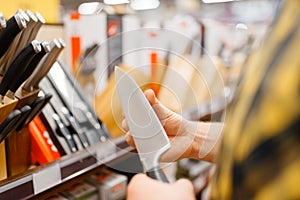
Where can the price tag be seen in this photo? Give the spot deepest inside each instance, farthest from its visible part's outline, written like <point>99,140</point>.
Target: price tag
<point>46,178</point>
<point>106,151</point>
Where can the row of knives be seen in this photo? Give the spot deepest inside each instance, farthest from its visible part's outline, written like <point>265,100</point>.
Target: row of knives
<point>24,66</point>
<point>73,123</point>
<point>22,58</point>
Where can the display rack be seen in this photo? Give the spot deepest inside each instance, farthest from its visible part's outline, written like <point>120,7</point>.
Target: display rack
<point>42,178</point>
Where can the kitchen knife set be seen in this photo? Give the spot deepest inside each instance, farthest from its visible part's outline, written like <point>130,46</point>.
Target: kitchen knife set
<point>21,55</point>
<point>18,118</point>
<point>70,121</point>
<point>24,62</point>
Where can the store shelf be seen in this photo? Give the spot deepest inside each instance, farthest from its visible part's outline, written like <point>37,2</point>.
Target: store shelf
<point>42,178</point>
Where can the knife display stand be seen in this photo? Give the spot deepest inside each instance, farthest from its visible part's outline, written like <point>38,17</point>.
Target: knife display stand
<point>5,110</point>
<point>18,143</point>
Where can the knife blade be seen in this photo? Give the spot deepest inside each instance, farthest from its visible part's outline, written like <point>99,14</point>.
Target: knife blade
<point>43,67</point>
<point>18,66</point>
<point>30,68</point>
<point>58,106</point>
<point>2,22</point>
<point>8,124</point>
<point>13,26</point>
<point>148,133</point>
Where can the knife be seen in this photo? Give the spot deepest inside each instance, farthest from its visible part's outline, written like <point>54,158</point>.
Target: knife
<point>18,66</point>
<point>148,133</point>
<point>38,109</point>
<point>58,106</point>
<point>2,22</point>
<point>13,26</point>
<point>29,69</point>
<point>43,67</point>
<point>37,26</point>
<point>36,106</point>
<point>25,110</point>
<point>8,124</point>
<point>21,40</point>
<point>14,43</point>
<point>65,133</point>
<point>75,126</point>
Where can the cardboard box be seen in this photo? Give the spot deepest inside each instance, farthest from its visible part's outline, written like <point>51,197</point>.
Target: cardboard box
<point>111,186</point>
<point>81,190</point>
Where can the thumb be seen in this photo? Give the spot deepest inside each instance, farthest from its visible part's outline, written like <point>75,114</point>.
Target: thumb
<point>161,111</point>
<point>151,97</point>
<point>186,186</point>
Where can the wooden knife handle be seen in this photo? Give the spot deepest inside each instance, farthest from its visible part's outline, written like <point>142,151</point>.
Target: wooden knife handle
<point>8,34</point>
<point>19,65</point>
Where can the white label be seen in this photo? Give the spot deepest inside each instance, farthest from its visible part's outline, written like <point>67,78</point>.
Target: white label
<point>46,178</point>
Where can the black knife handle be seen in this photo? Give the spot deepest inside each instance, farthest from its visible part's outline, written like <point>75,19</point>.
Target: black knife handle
<point>33,106</point>
<point>157,174</point>
<point>25,111</point>
<point>35,112</point>
<point>18,65</point>
<point>13,26</point>
<point>30,67</point>
<point>65,133</point>
<point>8,124</point>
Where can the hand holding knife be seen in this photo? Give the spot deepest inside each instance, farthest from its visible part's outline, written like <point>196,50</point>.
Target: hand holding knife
<point>148,133</point>
<point>18,66</point>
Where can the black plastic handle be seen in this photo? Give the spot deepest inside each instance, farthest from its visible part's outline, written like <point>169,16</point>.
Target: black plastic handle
<point>8,34</point>
<point>18,66</point>
<point>28,71</point>
<point>38,109</point>
<point>8,124</point>
<point>33,106</point>
<point>158,174</point>
<point>75,126</point>
<point>25,110</point>
<point>65,133</point>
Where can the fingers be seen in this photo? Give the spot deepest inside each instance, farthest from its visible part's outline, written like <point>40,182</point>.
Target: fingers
<point>161,111</point>
<point>129,139</point>
<point>125,125</point>
<point>143,187</point>
<point>186,187</point>
<point>151,97</point>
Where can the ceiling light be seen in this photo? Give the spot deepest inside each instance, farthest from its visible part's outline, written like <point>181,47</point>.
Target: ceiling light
<point>144,4</point>
<point>90,8</point>
<point>216,1</point>
<point>115,2</point>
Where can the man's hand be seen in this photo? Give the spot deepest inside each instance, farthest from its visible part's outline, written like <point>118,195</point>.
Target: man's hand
<point>197,140</point>
<point>174,125</point>
<point>142,187</point>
